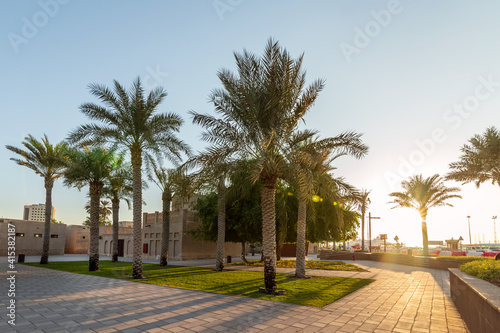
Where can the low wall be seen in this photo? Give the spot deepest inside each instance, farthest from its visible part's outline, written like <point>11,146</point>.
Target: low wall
<point>290,250</point>
<point>478,301</point>
<point>400,259</point>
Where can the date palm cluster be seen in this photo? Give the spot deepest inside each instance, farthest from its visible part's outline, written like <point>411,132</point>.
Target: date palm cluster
<point>258,121</point>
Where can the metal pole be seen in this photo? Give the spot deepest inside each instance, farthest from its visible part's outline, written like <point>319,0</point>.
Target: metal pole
<point>495,229</point>
<point>370,229</point>
<point>470,239</point>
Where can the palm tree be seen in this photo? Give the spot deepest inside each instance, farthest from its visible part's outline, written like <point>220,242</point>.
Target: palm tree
<point>260,108</point>
<point>128,121</point>
<point>170,182</point>
<point>119,188</point>
<point>480,160</point>
<point>48,161</point>
<point>104,211</point>
<point>363,203</point>
<point>350,223</point>
<point>90,167</point>
<point>423,194</point>
<point>214,169</point>
<point>308,161</point>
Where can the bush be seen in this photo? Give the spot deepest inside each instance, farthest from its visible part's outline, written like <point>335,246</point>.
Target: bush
<point>488,270</point>
<point>466,259</point>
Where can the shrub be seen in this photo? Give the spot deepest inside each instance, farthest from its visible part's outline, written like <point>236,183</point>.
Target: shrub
<point>488,270</point>
<point>466,259</point>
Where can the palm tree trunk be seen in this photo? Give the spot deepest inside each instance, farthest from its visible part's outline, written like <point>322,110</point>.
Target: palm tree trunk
<point>95,197</point>
<point>221,224</point>
<point>165,236</point>
<point>269,236</point>
<point>49,183</point>
<point>300,256</point>
<point>116,208</point>
<point>362,229</point>
<point>424,233</point>
<point>136,160</point>
<point>243,252</point>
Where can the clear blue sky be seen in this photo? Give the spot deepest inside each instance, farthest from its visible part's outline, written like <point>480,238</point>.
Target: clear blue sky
<point>396,71</point>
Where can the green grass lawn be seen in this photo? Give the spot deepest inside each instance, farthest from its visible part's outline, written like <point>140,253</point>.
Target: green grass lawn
<point>312,264</point>
<point>316,291</point>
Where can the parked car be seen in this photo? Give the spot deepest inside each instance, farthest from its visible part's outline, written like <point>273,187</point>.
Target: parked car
<point>494,249</point>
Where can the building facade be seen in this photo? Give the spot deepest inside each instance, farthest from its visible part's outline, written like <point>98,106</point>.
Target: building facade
<point>182,246</point>
<point>29,237</point>
<point>36,212</point>
<point>77,239</point>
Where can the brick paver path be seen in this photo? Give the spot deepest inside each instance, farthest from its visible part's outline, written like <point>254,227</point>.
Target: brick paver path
<point>403,299</point>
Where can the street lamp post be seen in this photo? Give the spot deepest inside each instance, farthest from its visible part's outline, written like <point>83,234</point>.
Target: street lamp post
<point>495,229</point>
<point>470,239</point>
<point>370,218</point>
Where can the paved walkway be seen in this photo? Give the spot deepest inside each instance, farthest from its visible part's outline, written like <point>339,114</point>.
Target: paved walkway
<point>403,299</point>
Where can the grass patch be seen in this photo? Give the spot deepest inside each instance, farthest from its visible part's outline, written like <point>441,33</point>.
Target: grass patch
<point>488,270</point>
<point>317,291</point>
<point>311,264</point>
<point>464,258</point>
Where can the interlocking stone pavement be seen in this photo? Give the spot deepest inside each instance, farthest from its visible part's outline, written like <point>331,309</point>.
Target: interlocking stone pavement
<point>402,299</point>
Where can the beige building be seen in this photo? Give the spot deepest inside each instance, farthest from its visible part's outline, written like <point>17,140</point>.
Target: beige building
<point>36,212</point>
<point>77,239</point>
<point>182,246</point>
<point>29,237</point>
<point>125,240</point>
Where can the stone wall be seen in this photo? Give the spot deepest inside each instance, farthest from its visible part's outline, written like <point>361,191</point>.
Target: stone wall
<point>77,239</point>
<point>478,302</point>
<point>29,238</point>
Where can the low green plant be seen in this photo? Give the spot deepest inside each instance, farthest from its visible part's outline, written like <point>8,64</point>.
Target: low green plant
<point>464,258</point>
<point>310,264</point>
<point>488,270</point>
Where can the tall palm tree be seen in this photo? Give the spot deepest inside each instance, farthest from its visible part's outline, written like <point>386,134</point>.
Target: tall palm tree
<point>308,161</point>
<point>422,194</point>
<point>90,167</point>
<point>260,108</point>
<point>128,120</point>
<point>480,160</point>
<point>47,160</point>
<point>119,187</point>
<point>363,203</point>
<point>171,182</point>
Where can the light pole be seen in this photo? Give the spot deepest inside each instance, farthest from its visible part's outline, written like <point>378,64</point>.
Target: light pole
<point>495,229</point>
<point>370,218</point>
<point>470,239</point>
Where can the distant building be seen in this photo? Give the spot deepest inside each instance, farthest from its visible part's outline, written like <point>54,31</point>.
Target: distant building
<point>125,224</point>
<point>29,237</point>
<point>36,212</point>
